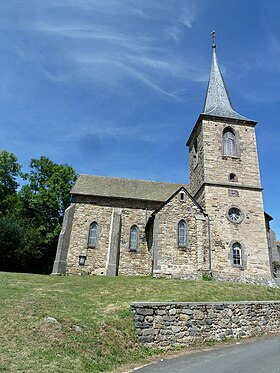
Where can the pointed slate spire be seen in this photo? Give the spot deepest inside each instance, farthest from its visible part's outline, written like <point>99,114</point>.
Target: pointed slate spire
<point>217,101</point>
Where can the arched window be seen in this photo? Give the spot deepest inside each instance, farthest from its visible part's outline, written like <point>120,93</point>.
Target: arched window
<point>182,233</point>
<point>229,142</point>
<point>92,236</point>
<point>182,196</point>
<point>195,154</point>
<point>236,254</point>
<point>133,238</point>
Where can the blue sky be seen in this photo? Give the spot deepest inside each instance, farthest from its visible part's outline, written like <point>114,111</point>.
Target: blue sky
<point>114,87</point>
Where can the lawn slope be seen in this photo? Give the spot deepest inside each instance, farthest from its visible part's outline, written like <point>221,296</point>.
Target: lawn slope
<point>95,330</point>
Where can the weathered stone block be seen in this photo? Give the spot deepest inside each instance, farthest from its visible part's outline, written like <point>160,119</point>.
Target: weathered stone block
<point>183,317</point>
<point>187,311</point>
<point>168,318</point>
<point>146,339</point>
<point>149,331</point>
<point>176,329</point>
<point>198,315</point>
<point>145,311</point>
<point>172,312</point>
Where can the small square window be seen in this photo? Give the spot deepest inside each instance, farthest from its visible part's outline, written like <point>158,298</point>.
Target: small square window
<point>232,177</point>
<point>82,260</point>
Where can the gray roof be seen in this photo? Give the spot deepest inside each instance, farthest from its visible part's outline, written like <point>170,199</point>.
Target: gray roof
<point>104,186</point>
<point>217,101</point>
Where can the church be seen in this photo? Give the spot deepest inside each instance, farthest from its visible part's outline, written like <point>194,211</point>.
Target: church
<point>214,227</point>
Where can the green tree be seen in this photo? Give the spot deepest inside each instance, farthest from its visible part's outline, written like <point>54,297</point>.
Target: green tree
<point>20,244</point>
<point>9,173</point>
<point>43,202</point>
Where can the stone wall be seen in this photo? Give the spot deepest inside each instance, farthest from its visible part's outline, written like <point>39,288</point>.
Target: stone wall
<point>250,233</point>
<point>274,253</point>
<point>138,262</point>
<point>196,163</point>
<point>217,193</point>
<point>102,210</point>
<point>170,259</point>
<point>178,324</point>
<point>218,167</point>
<point>112,255</point>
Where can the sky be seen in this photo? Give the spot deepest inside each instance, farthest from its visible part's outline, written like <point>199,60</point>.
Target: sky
<point>114,87</point>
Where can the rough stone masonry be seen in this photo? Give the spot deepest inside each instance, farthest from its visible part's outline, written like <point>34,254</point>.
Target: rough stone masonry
<point>178,324</point>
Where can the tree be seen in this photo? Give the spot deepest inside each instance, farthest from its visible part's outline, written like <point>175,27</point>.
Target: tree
<point>43,202</point>
<point>19,244</point>
<point>9,172</point>
<point>31,216</point>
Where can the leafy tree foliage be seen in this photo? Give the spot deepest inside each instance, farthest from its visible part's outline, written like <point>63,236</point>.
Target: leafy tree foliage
<point>32,218</point>
<point>19,245</point>
<point>9,172</point>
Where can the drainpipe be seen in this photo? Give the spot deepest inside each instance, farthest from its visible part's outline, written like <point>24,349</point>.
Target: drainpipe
<point>209,247</point>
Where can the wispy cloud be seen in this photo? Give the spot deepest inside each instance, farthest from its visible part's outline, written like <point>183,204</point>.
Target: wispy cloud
<point>144,132</point>
<point>261,97</point>
<point>121,41</point>
<point>188,14</point>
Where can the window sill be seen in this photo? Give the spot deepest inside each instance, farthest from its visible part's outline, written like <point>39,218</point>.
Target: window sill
<point>184,248</point>
<point>230,157</point>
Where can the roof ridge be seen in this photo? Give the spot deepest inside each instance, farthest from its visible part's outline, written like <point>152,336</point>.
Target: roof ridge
<point>128,179</point>
<point>106,186</point>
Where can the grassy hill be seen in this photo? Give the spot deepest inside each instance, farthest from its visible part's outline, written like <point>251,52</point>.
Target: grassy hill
<point>94,330</point>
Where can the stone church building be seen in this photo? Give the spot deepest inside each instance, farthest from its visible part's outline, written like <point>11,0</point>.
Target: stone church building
<point>214,226</point>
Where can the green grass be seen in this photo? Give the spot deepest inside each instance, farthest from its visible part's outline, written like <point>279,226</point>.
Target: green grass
<point>99,306</point>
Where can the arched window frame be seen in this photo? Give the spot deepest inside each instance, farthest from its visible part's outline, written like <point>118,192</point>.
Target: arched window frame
<point>230,143</point>
<point>237,255</point>
<point>93,235</point>
<point>195,153</point>
<point>182,234</point>
<point>133,238</point>
<point>182,196</point>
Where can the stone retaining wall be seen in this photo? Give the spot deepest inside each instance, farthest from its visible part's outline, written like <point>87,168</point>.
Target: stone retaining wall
<point>177,324</point>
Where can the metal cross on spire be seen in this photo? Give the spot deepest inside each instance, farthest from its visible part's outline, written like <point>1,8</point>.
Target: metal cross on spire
<point>213,35</point>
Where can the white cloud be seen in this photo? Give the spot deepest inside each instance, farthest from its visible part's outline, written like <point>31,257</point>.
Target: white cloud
<point>188,15</point>
<point>112,42</point>
<point>144,132</point>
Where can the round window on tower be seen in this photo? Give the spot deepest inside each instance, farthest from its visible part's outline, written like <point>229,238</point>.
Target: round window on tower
<point>235,215</point>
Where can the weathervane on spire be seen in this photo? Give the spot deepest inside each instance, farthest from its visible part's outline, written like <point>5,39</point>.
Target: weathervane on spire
<point>213,35</point>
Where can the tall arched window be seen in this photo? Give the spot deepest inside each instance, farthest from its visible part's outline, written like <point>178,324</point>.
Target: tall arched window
<point>92,236</point>
<point>182,233</point>
<point>229,142</point>
<point>236,254</point>
<point>195,154</point>
<point>133,238</point>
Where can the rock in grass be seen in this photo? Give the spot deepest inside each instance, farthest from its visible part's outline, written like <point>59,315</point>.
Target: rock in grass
<point>77,329</point>
<point>51,320</point>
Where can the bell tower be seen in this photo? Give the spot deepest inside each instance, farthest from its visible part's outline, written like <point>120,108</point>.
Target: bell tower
<point>225,180</point>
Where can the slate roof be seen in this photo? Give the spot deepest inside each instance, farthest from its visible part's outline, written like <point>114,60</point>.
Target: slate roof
<point>104,186</point>
<point>217,100</point>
